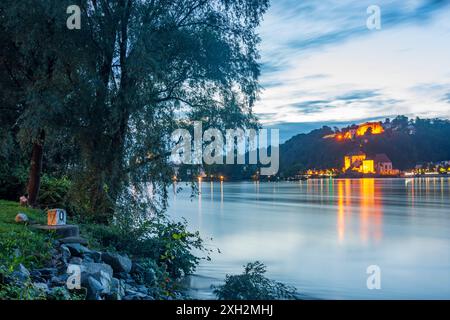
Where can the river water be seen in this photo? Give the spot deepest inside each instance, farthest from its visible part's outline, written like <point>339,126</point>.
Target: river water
<point>321,235</point>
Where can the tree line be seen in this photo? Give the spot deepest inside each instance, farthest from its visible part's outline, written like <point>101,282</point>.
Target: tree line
<point>97,105</point>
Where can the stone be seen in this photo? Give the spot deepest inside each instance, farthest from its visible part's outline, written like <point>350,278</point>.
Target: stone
<point>76,249</point>
<point>88,259</point>
<point>42,287</point>
<point>136,267</point>
<point>142,289</point>
<point>60,280</point>
<point>94,289</point>
<point>96,278</point>
<point>76,260</point>
<point>47,273</point>
<point>63,231</point>
<point>94,255</point>
<point>134,295</point>
<point>117,290</point>
<point>79,240</point>
<point>21,273</point>
<point>65,253</point>
<point>117,262</point>
<point>21,218</point>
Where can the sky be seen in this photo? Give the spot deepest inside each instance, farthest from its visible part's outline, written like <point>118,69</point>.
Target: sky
<point>321,65</point>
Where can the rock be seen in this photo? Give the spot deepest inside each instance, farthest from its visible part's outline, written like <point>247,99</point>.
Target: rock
<point>21,218</point>
<point>91,268</point>
<point>137,268</point>
<point>36,276</point>
<point>96,278</point>
<point>65,253</point>
<point>76,249</point>
<point>60,280</point>
<point>94,289</point>
<point>41,286</point>
<point>117,290</point>
<point>134,295</point>
<point>94,255</point>
<point>76,260</point>
<point>47,273</point>
<point>88,259</point>
<point>63,231</point>
<point>79,240</point>
<point>117,262</point>
<point>21,273</point>
<point>142,289</point>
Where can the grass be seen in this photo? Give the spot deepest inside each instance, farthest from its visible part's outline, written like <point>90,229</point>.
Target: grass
<point>8,212</point>
<point>19,244</point>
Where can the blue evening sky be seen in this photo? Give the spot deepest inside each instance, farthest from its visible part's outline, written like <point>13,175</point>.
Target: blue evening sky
<point>321,65</point>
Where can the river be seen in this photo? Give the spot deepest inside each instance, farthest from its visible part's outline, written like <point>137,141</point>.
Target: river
<point>321,235</point>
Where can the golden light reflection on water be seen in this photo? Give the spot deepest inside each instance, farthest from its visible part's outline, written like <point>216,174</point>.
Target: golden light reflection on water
<point>341,211</point>
<point>369,204</point>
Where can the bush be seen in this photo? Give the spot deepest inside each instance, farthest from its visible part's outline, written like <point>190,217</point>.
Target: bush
<point>166,242</point>
<point>54,192</point>
<point>253,285</point>
<point>24,247</point>
<point>12,181</point>
<point>25,291</point>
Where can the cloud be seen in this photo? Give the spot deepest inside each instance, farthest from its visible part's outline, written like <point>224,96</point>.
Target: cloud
<point>447,97</point>
<point>358,95</point>
<point>322,65</point>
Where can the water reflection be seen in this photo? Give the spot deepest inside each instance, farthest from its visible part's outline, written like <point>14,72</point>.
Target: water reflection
<point>320,235</point>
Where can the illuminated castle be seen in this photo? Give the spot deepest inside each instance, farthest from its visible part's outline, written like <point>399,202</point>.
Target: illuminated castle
<point>358,131</point>
<point>358,162</point>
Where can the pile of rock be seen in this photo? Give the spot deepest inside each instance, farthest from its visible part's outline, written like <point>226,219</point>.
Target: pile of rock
<point>103,275</point>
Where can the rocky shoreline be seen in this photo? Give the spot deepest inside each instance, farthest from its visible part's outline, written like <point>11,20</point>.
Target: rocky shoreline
<point>90,274</point>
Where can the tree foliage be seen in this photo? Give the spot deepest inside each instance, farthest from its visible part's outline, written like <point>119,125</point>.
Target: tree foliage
<point>252,284</point>
<point>112,92</point>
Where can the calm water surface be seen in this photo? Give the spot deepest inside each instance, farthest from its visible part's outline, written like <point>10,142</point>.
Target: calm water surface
<point>321,235</point>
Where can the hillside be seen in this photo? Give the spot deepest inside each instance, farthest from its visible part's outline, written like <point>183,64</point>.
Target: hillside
<point>407,142</point>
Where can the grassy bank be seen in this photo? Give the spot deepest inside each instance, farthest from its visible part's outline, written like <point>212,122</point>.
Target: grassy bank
<point>19,244</point>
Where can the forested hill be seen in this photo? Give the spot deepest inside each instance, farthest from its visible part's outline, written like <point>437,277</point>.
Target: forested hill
<point>407,142</point>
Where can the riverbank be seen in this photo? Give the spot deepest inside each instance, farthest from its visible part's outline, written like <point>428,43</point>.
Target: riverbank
<point>34,264</point>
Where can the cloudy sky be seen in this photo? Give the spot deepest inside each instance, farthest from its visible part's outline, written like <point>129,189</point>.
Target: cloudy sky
<point>322,65</point>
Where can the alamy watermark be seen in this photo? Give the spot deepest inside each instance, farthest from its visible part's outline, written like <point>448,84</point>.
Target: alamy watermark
<point>210,147</point>
<point>373,22</point>
<point>374,278</point>
<point>74,279</point>
<point>74,20</point>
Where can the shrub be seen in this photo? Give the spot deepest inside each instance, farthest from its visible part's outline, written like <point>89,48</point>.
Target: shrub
<point>24,247</point>
<point>253,285</point>
<point>166,242</point>
<point>24,291</point>
<point>54,192</point>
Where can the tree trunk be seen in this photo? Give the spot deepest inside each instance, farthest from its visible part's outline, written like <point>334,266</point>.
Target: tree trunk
<point>34,179</point>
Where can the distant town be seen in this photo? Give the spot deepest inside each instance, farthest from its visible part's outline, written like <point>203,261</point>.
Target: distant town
<point>358,164</point>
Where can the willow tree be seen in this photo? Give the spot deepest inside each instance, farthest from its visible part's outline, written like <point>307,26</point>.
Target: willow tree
<point>120,85</point>
<point>154,65</point>
<point>35,86</point>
